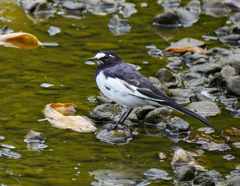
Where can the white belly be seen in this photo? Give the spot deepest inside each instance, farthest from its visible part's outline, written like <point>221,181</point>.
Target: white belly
<point>114,89</point>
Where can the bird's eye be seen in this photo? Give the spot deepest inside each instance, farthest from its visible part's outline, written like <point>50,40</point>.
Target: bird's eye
<point>105,57</point>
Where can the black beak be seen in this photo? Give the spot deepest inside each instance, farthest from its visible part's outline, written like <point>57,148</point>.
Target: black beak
<point>92,59</point>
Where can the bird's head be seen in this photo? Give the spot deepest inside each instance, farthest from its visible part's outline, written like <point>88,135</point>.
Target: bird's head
<point>106,58</point>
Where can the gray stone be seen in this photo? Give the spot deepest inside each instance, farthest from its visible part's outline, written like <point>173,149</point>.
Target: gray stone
<point>122,134</point>
<point>184,173</point>
<point>164,75</point>
<point>105,112</point>
<point>103,99</point>
<point>206,108</point>
<point>161,86</point>
<point>141,112</point>
<point>219,52</point>
<point>159,115</point>
<point>192,79</point>
<point>232,60</point>
<point>206,68</point>
<point>233,85</point>
<point>186,17</point>
<point>228,71</point>
<point>73,6</point>
<point>232,181</point>
<point>168,18</point>
<point>194,6</point>
<point>177,125</point>
<point>182,94</point>
<point>208,178</point>
<point>169,79</point>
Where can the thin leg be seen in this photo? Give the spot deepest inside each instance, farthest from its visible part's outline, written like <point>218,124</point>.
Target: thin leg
<point>122,119</point>
<point>126,115</point>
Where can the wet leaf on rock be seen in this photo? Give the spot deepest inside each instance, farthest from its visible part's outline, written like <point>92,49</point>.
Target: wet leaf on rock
<point>186,45</point>
<point>19,40</point>
<point>186,49</point>
<point>76,123</point>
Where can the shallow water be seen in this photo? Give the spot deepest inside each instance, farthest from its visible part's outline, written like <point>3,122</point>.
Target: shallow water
<point>72,158</point>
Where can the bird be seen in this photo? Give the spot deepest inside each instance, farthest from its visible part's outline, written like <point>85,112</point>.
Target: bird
<point>123,84</point>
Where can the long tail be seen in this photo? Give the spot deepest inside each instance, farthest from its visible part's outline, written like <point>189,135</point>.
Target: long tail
<point>189,113</point>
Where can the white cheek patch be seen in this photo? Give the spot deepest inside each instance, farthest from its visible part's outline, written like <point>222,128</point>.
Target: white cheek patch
<point>100,55</point>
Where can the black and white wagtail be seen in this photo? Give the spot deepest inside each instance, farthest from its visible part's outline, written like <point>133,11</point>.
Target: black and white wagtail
<point>123,84</point>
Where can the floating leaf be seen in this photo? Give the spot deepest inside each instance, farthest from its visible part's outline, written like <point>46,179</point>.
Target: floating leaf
<point>19,40</point>
<point>76,123</point>
<point>64,108</point>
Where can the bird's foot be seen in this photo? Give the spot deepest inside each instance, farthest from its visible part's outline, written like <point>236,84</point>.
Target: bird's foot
<point>112,127</point>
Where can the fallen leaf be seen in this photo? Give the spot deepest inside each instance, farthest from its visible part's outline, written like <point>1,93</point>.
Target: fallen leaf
<point>186,49</point>
<point>75,123</point>
<point>19,40</point>
<point>64,108</point>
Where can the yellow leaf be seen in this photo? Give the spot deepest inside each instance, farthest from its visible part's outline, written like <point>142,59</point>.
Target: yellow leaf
<point>19,40</point>
<point>66,109</point>
<point>186,49</point>
<point>75,123</point>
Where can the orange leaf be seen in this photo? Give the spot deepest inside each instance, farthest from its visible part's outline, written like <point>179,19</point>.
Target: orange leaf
<point>64,108</point>
<point>19,40</point>
<point>75,123</point>
<point>186,49</point>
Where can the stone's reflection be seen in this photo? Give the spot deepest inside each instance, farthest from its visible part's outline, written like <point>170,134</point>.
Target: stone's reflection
<point>166,33</point>
<point>112,177</point>
<point>35,141</point>
<point>118,26</point>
